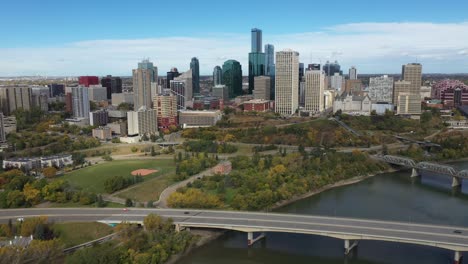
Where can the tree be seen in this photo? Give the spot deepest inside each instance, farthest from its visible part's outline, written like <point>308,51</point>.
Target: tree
<point>31,194</point>
<point>153,153</point>
<point>124,107</point>
<point>128,202</point>
<point>100,202</point>
<point>153,222</point>
<point>49,172</point>
<point>93,106</point>
<point>30,224</point>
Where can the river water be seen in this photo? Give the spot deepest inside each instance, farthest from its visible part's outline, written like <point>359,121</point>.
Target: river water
<point>390,196</point>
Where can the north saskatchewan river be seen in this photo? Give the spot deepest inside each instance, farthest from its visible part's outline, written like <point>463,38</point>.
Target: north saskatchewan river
<point>390,196</point>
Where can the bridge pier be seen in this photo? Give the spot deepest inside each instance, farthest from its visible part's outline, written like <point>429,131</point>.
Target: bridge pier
<point>414,173</point>
<point>458,257</point>
<point>456,182</point>
<point>251,240</point>
<point>348,246</point>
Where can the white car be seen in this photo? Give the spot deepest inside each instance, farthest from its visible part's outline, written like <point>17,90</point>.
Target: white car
<point>20,219</point>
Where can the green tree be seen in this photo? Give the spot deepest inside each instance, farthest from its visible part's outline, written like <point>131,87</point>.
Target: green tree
<point>128,202</point>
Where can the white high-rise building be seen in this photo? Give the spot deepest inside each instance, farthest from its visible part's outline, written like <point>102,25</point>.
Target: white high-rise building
<point>353,73</point>
<point>381,89</point>
<point>142,122</point>
<point>142,79</point>
<point>287,82</point>
<point>80,102</point>
<point>314,91</point>
<point>336,82</point>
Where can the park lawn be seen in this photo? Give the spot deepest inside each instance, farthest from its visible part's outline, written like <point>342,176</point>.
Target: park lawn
<point>92,178</point>
<point>72,234</point>
<point>148,190</point>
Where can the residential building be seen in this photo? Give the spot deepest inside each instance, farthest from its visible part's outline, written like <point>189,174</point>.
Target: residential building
<point>98,118</point>
<point>195,68</point>
<point>381,89</point>
<point>287,82</point>
<point>178,89</point>
<point>258,105</point>
<point>80,102</point>
<point>97,93</point>
<point>142,79</point>
<point>452,93</point>
<point>58,161</point>
<point>118,98</point>
<point>408,104</point>
<point>336,82</point>
<point>188,118</point>
<point>166,110</point>
<point>262,87</point>
<point>217,76</point>
<point>15,97</point>
<point>353,73</point>
<point>186,77</point>
<point>232,77</point>
<point>353,104</point>
<point>398,87</point>
<point>142,122</point>
<point>9,124</point>
<point>314,91</point>
<point>353,86</point>
<point>40,97</point>
<point>112,84</point>
<point>102,133</point>
<point>88,80</point>
<point>221,91</point>
<point>68,103</point>
<point>118,128</point>
<point>256,39</point>
<point>2,129</point>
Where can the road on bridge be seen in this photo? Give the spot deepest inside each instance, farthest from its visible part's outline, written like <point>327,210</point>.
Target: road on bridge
<point>453,238</point>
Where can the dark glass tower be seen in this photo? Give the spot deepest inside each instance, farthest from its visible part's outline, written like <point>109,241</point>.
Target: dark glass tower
<point>332,68</point>
<point>217,76</point>
<point>256,58</point>
<point>195,67</point>
<point>170,76</point>
<point>232,77</point>
<point>256,40</point>
<point>270,67</point>
<point>112,84</point>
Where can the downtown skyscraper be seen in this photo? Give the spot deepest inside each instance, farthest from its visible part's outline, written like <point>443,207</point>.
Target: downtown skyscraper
<point>256,58</point>
<point>232,77</point>
<point>142,79</point>
<point>314,91</point>
<point>287,82</point>
<point>270,67</point>
<point>217,76</point>
<point>195,67</point>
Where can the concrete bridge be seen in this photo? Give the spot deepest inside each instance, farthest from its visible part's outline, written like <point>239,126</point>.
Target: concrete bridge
<point>443,169</point>
<point>350,230</point>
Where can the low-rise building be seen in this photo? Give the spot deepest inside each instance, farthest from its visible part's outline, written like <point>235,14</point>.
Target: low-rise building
<point>9,124</point>
<point>188,118</point>
<point>352,104</point>
<point>118,128</point>
<point>58,161</point>
<point>102,133</point>
<point>223,168</point>
<point>258,105</point>
<point>97,93</point>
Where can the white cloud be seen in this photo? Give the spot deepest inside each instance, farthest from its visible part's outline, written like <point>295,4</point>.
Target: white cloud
<point>372,47</point>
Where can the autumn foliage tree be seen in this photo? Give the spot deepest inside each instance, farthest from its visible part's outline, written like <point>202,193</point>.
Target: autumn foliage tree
<point>49,172</point>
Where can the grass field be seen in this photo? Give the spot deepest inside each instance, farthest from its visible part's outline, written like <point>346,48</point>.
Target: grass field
<point>72,234</point>
<point>92,178</point>
<point>149,190</point>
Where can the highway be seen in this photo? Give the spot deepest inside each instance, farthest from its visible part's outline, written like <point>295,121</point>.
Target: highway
<point>341,228</point>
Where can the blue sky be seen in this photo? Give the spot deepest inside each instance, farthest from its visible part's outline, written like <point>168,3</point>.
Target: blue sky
<point>51,37</point>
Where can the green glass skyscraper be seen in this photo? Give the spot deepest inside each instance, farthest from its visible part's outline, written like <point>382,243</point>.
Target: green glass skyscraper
<point>232,77</point>
<point>195,67</point>
<point>256,58</point>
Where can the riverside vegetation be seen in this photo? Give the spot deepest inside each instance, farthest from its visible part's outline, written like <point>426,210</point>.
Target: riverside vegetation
<point>259,182</point>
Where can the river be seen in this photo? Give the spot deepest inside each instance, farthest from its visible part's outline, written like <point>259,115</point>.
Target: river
<point>390,196</point>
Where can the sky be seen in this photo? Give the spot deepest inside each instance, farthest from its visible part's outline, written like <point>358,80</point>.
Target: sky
<point>71,38</point>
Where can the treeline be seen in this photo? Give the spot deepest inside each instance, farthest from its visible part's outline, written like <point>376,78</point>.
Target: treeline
<point>209,146</point>
<point>316,133</point>
<point>264,148</point>
<point>155,244</point>
<point>20,190</point>
<point>118,183</point>
<point>187,165</point>
<point>261,181</point>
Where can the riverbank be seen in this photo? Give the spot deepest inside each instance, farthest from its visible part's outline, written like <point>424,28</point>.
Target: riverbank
<point>330,186</point>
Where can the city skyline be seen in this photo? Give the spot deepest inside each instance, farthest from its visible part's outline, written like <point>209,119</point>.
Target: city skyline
<point>386,37</point>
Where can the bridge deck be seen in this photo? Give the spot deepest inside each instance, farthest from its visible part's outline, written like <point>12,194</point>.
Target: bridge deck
<point>343,228</point>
